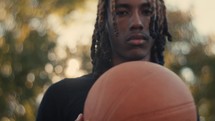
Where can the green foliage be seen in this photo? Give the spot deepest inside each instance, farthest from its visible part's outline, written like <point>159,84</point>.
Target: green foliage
<point>192,57</point>
<point>21,66</point>
<point>25,46</point>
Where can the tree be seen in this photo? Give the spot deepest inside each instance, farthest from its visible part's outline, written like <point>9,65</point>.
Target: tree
<point>26,48</point>
<point>192,57</point>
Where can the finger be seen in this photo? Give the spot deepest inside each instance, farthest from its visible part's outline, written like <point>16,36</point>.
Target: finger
<point>80,117</point>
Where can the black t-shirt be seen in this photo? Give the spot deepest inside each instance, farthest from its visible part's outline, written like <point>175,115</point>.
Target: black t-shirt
<point>64,100</point>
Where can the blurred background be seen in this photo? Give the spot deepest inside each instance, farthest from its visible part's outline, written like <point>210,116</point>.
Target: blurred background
<point>44,41</point>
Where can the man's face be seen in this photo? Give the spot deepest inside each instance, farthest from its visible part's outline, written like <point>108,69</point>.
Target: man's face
<point>132,22</point>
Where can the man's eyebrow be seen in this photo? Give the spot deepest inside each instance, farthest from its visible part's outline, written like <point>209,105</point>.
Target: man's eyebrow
<point>147,4</point>
<point>122,6</point>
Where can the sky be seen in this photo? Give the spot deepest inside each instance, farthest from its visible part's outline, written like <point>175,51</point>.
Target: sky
<point>201,10</point>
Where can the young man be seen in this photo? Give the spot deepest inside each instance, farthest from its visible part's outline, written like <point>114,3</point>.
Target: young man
<point>125,30</point>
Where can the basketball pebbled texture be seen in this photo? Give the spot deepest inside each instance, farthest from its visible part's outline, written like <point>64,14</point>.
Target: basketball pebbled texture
<point>139,91</point>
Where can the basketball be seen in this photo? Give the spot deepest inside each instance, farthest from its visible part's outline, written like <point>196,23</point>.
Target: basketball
<point>139,91</point>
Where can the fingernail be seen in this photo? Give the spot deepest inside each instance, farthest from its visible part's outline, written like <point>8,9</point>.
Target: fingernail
<point>79,117</point>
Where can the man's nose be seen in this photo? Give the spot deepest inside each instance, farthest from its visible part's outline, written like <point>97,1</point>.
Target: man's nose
<point>136,22</point>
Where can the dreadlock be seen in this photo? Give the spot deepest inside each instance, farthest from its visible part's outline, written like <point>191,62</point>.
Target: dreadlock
<point>159,31</point>
<point>101,48</point>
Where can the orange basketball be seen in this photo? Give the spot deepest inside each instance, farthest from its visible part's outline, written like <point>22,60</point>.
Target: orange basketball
<point>139,91</point>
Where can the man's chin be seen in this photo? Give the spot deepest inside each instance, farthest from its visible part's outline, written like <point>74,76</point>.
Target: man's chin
<point>137,58</point>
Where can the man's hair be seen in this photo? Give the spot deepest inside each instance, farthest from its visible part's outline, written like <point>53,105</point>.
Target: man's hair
<point>101,49</point>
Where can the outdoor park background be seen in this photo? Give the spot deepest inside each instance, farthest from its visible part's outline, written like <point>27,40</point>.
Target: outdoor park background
<point>44,41</point>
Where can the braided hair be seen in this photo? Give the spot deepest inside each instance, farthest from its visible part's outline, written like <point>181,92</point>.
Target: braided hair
<point>101,48</point>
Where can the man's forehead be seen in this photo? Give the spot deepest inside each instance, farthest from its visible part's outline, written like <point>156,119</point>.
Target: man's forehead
<point>134,1</point>
<point>120,3</point>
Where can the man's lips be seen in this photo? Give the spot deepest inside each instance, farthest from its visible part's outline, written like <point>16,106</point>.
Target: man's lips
<point>137,39</point>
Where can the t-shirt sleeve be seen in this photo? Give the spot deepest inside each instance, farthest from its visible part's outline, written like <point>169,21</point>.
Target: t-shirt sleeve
<point>64,100</point>
<point>47,110</point>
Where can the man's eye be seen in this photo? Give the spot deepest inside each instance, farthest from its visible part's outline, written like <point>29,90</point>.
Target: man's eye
<point>121,13</point>
<point>147,11</point>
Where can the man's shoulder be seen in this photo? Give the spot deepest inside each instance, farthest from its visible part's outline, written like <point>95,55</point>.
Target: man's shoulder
<point>73,84</point>
<point>69,89</point>
<point>65,99</point>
